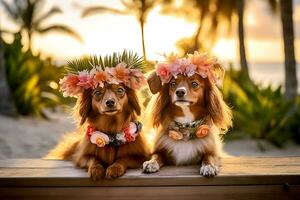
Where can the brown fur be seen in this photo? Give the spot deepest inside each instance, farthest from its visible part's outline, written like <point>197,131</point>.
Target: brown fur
<point>108,161</point>
<point>208,104</point>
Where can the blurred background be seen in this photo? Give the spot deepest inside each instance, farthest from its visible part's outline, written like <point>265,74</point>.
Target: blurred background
<point>258,42</point>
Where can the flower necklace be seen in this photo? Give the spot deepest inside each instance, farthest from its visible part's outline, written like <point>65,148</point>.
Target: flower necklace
<point>128,134</point>
<point>188,131</point>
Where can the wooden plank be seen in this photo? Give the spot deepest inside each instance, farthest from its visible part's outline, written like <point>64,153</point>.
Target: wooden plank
<point>257,161</point>
<point>234,171</point>
<point>152,193</point>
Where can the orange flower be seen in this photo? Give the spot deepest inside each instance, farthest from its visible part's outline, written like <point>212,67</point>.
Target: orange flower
<point>202,131</point>
<point>100,77</point>
<point>175,135</point>
<point>100,142</point>
<point>120,73</point>
<point>99,138</point>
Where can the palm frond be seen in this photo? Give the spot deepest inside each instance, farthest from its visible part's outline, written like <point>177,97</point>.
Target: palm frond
<point>60,28</point>
<point>9,9</point>
<point>99,9</point>
<point>133,61</point>
<point>52,11</point>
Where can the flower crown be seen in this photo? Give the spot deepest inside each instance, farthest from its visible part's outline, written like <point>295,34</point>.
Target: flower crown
<point>93,72</point>
<point>202,64</point>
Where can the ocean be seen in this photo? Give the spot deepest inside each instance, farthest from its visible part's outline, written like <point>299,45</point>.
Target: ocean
<point>270,73</point>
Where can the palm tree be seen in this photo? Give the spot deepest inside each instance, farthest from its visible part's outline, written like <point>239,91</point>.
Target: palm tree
<point>7,106</point>
<point>291,85</point>
<point>213,14</point>
<point>240,6</point>
<point>26,13</point>
<point>139,8</point>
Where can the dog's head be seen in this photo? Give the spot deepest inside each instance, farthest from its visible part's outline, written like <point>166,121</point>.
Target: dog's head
<point>110,100</point>
<point>200,95</point>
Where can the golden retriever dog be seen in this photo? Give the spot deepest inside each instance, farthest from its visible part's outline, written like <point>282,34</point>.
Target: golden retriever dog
<point>108,140</point>
<point>188,114</point>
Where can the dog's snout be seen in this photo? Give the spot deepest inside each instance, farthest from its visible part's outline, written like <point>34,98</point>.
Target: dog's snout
<point>110,103</point>
<point>180,92</point>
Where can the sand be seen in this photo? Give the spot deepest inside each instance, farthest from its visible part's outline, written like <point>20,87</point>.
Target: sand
<point>27,137</point>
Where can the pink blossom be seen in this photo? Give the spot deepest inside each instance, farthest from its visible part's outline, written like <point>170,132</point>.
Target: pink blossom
<point>176,68</point>
<point>137,79</point>
<point>69,87</point>
<point>100,78</point>
<point>119,74</point>
<point>85,80</point>
<point>197,58</point>
<point>203,71</point>
<point>190,69</point>
<point>163,72</point>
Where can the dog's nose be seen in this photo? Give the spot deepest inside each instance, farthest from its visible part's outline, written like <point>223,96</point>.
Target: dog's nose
<point>180,92</point>
<point>110,103</point>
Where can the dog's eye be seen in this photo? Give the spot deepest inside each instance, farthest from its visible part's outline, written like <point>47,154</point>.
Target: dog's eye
<point>97,93</point>
<point>173,84</point>
<point>194,84</point>
<point>120,90</point>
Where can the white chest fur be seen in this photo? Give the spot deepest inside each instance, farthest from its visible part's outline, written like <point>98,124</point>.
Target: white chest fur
<point>187,114</point>
<point>183,152</point>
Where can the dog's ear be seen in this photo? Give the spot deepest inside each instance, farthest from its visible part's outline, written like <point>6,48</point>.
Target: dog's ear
<point>217,109</point>
<point>219,73</point>
<point>160,108</point>
<point>133,101</point>
<point>85,105</point>
<point>154,83</point>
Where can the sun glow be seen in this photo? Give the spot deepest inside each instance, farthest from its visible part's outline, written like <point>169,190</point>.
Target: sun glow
<point>105,33</point>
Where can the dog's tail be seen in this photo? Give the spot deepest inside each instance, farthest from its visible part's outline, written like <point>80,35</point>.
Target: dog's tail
<point>65,148</point>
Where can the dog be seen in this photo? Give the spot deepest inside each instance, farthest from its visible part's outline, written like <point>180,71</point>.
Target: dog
<point>108,140</point>
<point>188,114</point>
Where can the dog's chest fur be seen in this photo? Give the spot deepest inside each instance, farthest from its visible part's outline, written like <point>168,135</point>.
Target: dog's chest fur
<point>182,152</point>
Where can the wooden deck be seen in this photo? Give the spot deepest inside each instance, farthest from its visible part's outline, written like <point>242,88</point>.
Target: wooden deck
<point>240,178</point>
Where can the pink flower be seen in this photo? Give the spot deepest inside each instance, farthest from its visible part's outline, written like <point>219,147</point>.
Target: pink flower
<point>163,72</point>
<point>203,72</point>
<point>85,80</point>
<point>197,58</point>
<point>100,78</point>
<point>69,85</point>
<point>119,74</point>
<point>130,132</point>
<point>137,79</point>
<point>175,68</point>
<point>187,68</point>
<point>190,70</point>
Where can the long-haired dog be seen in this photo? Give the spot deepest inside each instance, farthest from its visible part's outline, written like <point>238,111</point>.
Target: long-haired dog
<point>108,139</point>
<point>188,114</point>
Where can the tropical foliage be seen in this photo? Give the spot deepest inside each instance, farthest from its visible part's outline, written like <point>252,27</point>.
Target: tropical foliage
<point>27,14</point>
<point>133,60</point>
<point>260,112</point>
<point>29,78</point>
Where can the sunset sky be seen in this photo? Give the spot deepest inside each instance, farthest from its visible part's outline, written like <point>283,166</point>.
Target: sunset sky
<point>105,33</point>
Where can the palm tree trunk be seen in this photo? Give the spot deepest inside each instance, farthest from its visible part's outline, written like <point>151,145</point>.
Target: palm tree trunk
<point>7,106</point>
<point>142,23</point>
<point>196,39</point>
<point>286,9</point>
<point>243,58</point>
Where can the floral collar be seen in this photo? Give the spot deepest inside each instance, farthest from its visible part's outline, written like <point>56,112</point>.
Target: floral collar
<point>128,134</point>
<point>188,131</point>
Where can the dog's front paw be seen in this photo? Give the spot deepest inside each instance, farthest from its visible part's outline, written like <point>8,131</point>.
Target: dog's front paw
<point>150,166</point>
<point>114,171</point>
<point>96,172</point>
<point>209,170</point>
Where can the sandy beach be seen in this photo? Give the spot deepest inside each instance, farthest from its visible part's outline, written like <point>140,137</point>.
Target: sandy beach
<point>27,137</point>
